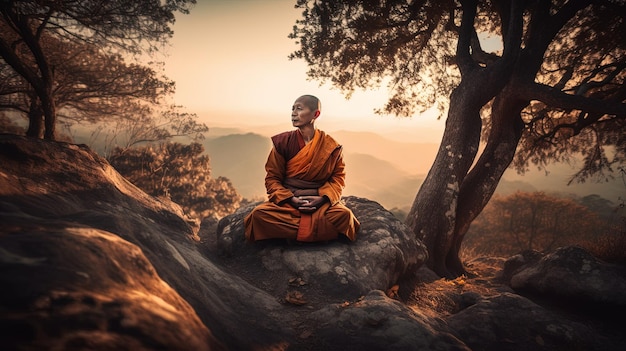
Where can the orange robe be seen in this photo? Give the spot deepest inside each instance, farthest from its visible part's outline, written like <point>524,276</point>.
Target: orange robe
<point>315,168</point>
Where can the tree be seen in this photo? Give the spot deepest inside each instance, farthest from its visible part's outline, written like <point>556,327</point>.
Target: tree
<point>116,26</point>
<point>179,172</point>
<point>146,126</point>
<point>548,89</point>
<point>90,86</point>
<point>532,221</point>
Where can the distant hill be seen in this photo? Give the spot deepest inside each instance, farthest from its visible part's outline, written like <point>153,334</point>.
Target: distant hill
<point>240,158</point>
<point>379,180</point>
<point>380,169</point>
<point>508,187</point>
<point>216,132</point>
<point>413,158</point>
<point>556,178</point>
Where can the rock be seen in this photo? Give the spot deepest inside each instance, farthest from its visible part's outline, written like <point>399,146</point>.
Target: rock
<point>89,261</point>
<point>51,188</point>
<point>385,251</point>
<point>513,264</point>
<point>377,322</point>
<point>512,322</point>
<point>69,287</point>
<point>572,275</point>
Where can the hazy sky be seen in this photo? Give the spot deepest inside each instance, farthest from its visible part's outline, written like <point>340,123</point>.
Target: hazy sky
<point>229,60</point>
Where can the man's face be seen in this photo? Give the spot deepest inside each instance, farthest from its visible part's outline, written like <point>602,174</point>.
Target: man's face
<point>301,114</point>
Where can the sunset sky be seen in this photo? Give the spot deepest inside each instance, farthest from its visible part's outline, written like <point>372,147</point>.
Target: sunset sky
<point>229,60</point>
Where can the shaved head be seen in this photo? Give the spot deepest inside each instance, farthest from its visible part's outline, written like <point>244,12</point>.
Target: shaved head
<point>311,102</point>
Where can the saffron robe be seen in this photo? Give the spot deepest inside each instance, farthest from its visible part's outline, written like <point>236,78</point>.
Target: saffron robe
<point>295,169</point>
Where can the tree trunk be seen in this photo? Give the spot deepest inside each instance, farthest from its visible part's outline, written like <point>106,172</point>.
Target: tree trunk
<point>43,83</point>
<point>483,179</point>
<point>506,131</point>
<point>433,214</point>
<point>42,105</point>
<point>35,120</point>
<point>49,111</point>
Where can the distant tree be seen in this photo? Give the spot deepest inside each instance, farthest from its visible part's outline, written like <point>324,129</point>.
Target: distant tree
<point>179,172</point>
<point>555,89</point>
<point>604,207</point>
<point>532,221</point>
<point>145,126</point>
<point>114,26</point>
<point>90,86</point>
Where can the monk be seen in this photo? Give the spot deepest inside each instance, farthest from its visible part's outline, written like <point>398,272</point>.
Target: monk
<point>304,181</point>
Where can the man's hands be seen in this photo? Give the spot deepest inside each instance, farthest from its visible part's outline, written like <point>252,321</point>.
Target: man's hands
<point>308,203</point>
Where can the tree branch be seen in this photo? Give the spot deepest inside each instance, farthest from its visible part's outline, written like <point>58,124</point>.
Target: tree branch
<point>463,48</point>
<point>558,99</point>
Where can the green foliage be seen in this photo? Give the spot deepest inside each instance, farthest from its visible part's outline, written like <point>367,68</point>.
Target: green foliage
<point>179,172</point>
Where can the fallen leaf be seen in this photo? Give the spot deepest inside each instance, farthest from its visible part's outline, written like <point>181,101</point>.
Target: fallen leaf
<point>393,291</point>
<point>295,298</point>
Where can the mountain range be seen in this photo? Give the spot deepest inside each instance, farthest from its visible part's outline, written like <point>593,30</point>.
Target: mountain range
<point>378,168</point>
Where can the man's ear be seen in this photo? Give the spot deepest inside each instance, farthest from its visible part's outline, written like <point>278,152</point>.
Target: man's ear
<point>317,113</point>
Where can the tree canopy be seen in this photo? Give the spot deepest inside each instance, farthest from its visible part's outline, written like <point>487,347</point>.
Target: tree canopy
<point>553,89</point>
<point>179,172</point>
<point>89,85</point>
<point>70,53</point>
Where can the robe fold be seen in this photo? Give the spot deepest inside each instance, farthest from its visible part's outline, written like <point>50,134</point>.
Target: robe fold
<point>294,169</point>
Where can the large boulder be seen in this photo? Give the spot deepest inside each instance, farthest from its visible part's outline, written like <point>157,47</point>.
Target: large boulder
<point>385,252</point>
<point>511,322</point>
<point>70,287</point>
<point>570,275</point>
<point>75,233</point>
<point>387,323</point>
<point>48,189</point>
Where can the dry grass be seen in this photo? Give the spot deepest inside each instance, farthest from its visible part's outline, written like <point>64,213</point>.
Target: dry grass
<point>444,297</point>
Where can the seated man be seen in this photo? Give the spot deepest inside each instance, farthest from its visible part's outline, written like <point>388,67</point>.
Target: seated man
<point>304,181</point>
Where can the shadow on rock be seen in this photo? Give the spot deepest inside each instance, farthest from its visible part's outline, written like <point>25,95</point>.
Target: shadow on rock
<point>385,251</point>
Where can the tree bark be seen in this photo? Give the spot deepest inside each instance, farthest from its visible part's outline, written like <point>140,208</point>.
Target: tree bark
<point>433,215</point>
<point>482,181</point>
<point>510,76</point>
